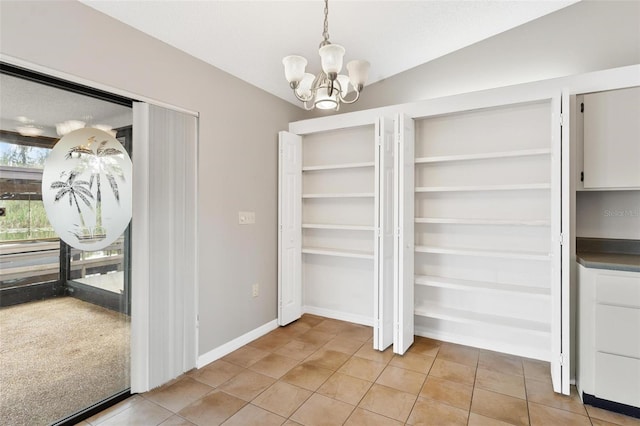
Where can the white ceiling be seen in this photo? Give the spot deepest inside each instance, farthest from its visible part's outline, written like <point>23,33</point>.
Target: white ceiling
<point>249,38</point>
<point>26,102</point>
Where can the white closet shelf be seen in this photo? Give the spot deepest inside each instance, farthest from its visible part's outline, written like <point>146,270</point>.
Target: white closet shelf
<point>515,187</point>
<point>480,286</point>
<point>340,195</point>
<point>431,310</point>
<point>523,222</point>
<point>337,227</point>
<point>522,255</point>
<point>484,156</point>
<point>338,166</point>
<point>356,254</point>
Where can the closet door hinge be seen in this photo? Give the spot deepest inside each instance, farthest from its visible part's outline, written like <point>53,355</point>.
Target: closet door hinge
<point>562,119</point>
<point>562,359</point>
<point>562,239</point>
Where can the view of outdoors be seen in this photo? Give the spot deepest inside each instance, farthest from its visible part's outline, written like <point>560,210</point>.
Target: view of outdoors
<point>25,217</point>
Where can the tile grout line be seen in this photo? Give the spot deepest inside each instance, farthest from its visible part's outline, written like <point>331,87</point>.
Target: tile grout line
<point>526,394</point>
<point>473,389</point>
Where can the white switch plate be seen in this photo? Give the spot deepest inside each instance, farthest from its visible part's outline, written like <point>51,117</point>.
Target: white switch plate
<point>255,290</point>
<point>246,218</point>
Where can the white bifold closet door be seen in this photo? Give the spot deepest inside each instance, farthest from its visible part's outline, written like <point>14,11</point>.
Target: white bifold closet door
<point>383,310</point>
<point>403,288</point>
<point>289,228</point>
<point>164,245</point>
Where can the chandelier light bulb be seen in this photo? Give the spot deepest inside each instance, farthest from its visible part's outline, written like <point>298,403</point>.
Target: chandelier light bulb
<point>331,56</point>
<point>324,101</point>
<point>294,66</point>
<point>304,89</point>
<point>358,73</point>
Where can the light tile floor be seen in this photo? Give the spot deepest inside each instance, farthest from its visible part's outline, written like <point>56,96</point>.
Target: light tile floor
<point>320,371</point>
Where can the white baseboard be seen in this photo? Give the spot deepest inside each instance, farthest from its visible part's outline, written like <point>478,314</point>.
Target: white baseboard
<point>482,344</point>
<point>342,316</point>
<point>236,343</point>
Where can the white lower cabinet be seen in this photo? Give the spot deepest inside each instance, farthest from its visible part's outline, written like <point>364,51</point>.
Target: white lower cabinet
<point>609,335</point>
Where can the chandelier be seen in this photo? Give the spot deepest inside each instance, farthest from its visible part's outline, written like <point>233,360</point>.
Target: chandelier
<point>329,88</point>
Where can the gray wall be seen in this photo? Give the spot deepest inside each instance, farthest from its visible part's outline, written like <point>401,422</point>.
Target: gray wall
<point>238,141</point>
<point>587,36</point>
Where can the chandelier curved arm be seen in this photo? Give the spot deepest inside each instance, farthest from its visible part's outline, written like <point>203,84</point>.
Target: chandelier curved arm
<point>304,99</point>
<point>350,101</point>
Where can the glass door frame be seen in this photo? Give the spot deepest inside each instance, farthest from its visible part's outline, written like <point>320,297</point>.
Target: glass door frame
<point>60,287</point>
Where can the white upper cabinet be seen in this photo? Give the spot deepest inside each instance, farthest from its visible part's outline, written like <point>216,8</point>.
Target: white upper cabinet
<point>612,139</point>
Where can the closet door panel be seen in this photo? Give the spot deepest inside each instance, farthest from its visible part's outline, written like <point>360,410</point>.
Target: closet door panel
<point>289,233</point>
<point>383,289</point>
<point>404,225</point>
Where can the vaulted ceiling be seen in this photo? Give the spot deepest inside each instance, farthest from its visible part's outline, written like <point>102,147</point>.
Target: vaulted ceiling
<point>249,38</point>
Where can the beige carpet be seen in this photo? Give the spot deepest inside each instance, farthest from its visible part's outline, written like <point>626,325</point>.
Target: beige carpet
<point>59,356</point>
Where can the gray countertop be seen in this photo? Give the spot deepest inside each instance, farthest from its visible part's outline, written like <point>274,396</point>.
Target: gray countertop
<point>615,261</point>
<point>618,255</point>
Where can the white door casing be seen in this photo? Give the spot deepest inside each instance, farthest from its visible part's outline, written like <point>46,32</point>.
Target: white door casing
<point>289,228</point>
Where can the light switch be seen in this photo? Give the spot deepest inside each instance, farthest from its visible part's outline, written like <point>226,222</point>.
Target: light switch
<point>246,218</point>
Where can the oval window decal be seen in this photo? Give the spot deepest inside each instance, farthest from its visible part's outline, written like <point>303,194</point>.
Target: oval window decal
<point>86,189</point>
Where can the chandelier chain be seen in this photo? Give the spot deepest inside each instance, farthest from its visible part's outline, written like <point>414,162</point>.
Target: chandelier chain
<point>325,32</point>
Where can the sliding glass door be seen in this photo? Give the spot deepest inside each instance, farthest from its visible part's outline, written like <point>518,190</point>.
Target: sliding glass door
<point>64,311</point>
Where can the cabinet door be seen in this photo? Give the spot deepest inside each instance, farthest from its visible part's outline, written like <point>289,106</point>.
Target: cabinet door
<point>290,228</point>
<point>612,139</point>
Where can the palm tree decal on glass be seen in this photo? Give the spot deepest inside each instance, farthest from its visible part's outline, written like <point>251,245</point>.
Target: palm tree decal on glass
<point>92,170</point>
<point>100,162</point>
<point>74,190</point>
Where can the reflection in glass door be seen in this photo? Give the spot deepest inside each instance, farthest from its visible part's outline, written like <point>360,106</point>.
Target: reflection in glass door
<point>64,313</point>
